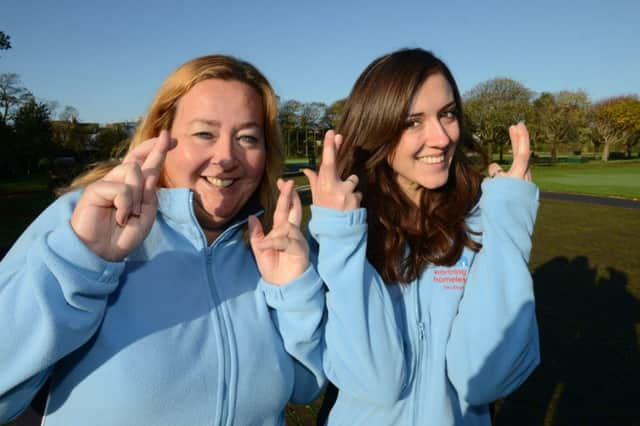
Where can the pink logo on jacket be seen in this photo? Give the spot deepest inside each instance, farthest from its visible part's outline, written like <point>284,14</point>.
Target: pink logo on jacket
<point>452,278</point>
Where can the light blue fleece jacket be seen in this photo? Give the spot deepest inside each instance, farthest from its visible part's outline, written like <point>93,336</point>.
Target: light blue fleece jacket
<point>436,351</point>
<point>179,333</point>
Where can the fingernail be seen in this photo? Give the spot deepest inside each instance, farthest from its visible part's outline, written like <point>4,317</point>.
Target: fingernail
<point>173,142</point>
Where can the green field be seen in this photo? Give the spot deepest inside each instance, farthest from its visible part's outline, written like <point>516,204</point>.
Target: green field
<point>614,179</point>
<point>586,270</point>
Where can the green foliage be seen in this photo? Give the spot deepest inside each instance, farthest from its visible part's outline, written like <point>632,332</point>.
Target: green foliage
<point>616,121</point>
<point>300,124</point>
<point>289,122</point>
<point>492,106</point>
<point>33,135</point>
<point>109,140</point>
<point>559,118</point>
<point>332,114</point>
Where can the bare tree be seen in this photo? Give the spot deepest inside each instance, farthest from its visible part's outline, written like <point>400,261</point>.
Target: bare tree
<point>12,95</point>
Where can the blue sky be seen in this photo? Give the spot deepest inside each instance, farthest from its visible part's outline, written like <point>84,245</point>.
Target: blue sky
<point>108,58</point>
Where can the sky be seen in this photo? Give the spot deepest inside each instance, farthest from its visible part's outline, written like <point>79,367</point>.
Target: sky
<point>108,58</point>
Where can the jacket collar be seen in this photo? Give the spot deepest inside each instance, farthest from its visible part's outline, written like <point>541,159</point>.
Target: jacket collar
<point>176,205</point>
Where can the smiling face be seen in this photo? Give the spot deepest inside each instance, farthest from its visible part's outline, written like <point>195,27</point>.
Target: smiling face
<point>221,150</point>
<point>424,153</point>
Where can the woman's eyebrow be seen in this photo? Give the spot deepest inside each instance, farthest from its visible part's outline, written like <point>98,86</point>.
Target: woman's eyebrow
<point>212,123</point>
<point>449,105</point>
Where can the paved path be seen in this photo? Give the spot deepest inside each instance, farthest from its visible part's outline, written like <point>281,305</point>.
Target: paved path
<point>606,201</point>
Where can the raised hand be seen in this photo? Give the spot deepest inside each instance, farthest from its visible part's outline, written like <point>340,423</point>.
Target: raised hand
<point>327,189</point>
<point>283,254</point>
<point>115,213</point>
<point>519,136</point>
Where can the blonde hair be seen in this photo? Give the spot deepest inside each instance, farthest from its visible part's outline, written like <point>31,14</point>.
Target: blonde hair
<point>163,108</point>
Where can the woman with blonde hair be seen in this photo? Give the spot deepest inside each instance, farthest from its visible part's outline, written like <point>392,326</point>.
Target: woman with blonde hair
<point>430,302</point>
<point>136,293</point>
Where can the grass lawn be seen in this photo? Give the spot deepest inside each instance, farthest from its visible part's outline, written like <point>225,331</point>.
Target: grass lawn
<point>616,178</point>
<point>36,182</point>
<point>586,270</point>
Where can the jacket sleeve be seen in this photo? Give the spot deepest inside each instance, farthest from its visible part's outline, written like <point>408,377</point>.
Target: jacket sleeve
<point>298,312</point>
<point>53,293</point>
<point>364,353</point>
<point>493,345</point>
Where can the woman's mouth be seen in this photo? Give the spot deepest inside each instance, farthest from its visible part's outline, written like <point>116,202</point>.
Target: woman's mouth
<point>220,183</point>
<point>431,159</point>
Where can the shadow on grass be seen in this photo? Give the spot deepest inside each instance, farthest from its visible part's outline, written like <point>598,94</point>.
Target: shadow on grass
<point>590,370</point>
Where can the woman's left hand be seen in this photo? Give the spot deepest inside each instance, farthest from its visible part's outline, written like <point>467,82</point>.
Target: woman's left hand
<point>283,254</point>
<point>519,136</point>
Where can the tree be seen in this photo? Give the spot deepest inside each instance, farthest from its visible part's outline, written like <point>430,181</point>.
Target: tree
<point>5,41</point>
<point>492,106</point>
<point>12,94</point>
<point>289,121</point>
<point>559,118</point>
<point>33,134</point>
<point>109,139</point>
<point>310,116</point>
<point>628,120</point>
<point>332,114</point>
<point>616,120</point>
<point>70,114</point>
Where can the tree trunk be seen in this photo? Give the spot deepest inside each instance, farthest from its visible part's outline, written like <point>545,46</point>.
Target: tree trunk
<point>554,152</point>
<point>605,151</point>
<point>286,145</point>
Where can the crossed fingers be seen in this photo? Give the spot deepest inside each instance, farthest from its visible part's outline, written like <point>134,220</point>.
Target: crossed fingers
<point>327,188</point>
<point>520,143</point>
<point>135,180</point>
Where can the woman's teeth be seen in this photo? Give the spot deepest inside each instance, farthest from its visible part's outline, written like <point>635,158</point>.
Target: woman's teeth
<point>431,159</point>
<point>220,183</point>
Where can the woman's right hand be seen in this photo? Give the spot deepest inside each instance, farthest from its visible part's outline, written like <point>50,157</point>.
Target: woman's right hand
<point>115,213</point>
<point>327,189</point>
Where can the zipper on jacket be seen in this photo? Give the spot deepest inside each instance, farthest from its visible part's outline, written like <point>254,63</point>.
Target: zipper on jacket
<point>417,378</point>
<point>419,349</point>
<point>222,336</point>
<point>221,323</point>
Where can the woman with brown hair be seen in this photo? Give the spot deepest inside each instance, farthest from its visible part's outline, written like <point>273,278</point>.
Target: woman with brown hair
<point>430,301</point>
<point>136,293</point>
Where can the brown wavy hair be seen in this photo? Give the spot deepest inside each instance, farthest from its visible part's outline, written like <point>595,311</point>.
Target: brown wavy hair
<point>163,109</point>
<point>402,241</point>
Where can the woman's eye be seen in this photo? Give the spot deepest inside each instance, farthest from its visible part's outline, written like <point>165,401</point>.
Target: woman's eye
<point>204,135</point>
<point>451,114</point>
<point>248,139</point>
<point>412,124</point>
